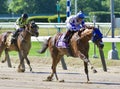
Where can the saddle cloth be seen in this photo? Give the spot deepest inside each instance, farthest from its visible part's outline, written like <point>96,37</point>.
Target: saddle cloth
<point>8,39</point>
<point>60,43</point>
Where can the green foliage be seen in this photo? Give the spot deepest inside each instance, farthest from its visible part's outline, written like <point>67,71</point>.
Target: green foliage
<point>48,7</point>
<point>17,6</point>
<point>85,5</point>
<point>39,18</point>
<point>33,6</point>
<point>47,18</point>
<point>102,16</point>
<point>3,6</point>
<point>55,17</point>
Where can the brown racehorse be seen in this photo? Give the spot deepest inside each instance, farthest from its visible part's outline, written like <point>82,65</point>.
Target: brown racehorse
<point>22,44</point>
<point>79,46</point>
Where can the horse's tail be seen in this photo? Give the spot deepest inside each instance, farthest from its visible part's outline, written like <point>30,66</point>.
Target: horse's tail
<point>44,46</point>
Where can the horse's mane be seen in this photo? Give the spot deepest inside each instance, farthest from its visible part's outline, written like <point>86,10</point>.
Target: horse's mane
<point>87,32</point>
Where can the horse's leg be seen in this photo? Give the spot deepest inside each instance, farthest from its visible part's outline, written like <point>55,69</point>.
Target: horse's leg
<point>86,62</point>
<point>20,57</point>
<point>86,70</point>
<point>28,62</point>
<point>55,61</point>
<point>2,47</point>
<point>86,59</point>
<point>7,57</point>
<point>4,60</point>
<point>21,63</point>
<point>19,66</point>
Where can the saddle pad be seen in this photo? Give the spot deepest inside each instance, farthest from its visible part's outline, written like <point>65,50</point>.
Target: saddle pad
<point>60,43</point>
<point>8,39</point>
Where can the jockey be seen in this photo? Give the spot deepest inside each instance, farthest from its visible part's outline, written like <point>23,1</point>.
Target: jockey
<point>73,24</point>
<point>20,24</point>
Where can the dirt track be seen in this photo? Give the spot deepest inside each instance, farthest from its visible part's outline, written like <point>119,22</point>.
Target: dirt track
<point>74,78</point>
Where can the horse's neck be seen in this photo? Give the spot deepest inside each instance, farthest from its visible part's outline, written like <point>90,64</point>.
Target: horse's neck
<point>26,35</point>
<point>86,35</point>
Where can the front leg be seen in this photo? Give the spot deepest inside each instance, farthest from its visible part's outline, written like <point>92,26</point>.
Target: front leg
<point>22,64</point>
<point>86,63</point>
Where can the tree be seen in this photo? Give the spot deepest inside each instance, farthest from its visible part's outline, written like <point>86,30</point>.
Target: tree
<point>90,5</point>
<point>33,6</point>
<point>3,6</point>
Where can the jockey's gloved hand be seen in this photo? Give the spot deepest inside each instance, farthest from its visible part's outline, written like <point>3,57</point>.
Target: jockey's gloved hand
<point>73,27</point>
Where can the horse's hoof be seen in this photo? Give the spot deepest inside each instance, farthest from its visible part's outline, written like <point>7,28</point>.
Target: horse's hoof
<point>94,71</point>
<point>88,82</point>
<point>21,70</point>
<point>30,69</point>
<point>49,78</point>
<point>61,80</point>
<point>2,61</point>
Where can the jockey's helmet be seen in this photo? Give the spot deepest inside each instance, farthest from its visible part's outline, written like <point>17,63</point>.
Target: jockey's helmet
<point>80,15</point>
<point>24,16</point>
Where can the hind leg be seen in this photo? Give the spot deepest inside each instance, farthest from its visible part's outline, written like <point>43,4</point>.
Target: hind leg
<point>2,48</point>
<point>7,57</point>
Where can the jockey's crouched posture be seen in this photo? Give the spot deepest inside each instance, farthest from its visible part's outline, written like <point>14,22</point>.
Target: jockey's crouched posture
<point>20,25</point>
<point>73,24</point>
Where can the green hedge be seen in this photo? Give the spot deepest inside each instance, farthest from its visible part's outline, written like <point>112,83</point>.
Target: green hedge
<point>47,18</point>
<point>102,16</point>
<point>55,18</point>
<point>7,20</point>
<point>51,19</point>
<point>39,18</point>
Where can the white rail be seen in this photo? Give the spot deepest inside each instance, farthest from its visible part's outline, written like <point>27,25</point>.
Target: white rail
<point>42,38</point>
<point>50,25</point>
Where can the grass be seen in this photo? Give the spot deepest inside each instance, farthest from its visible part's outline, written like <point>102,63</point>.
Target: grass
<point>36,46</point>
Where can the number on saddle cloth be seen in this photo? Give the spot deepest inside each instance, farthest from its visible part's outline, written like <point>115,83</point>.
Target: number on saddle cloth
<point>60,43</point>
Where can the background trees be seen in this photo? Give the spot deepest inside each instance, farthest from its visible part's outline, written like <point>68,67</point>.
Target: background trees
<point>33,6</point>
<point>3,6</point>
<point>48,7</point>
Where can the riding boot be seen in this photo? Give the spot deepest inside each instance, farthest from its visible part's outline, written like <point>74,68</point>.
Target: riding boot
<point>69,51</point>
<point>66,38</point>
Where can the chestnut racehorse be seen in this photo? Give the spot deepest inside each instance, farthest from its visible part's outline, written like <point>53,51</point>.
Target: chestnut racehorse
<point>22,44</point>
<point>78,45</point>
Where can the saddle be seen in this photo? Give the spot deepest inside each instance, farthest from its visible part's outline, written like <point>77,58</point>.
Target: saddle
<point>61,44</point>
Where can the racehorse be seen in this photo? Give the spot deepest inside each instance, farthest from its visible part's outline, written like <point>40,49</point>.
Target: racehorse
<point>78,45</point>
<point>22,44</point>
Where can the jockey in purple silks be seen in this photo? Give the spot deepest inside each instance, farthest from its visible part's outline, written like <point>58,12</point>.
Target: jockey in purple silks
<point>73,24</point>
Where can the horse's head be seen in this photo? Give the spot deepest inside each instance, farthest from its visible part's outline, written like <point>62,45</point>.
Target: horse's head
<point>97,38</point>
<point>33,29</point>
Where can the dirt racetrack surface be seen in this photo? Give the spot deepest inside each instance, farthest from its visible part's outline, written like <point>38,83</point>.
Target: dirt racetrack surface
<point>74,78</point>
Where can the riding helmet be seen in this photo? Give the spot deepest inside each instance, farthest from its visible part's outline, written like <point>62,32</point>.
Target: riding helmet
<point>24,15</point>
<point>80,15</point>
